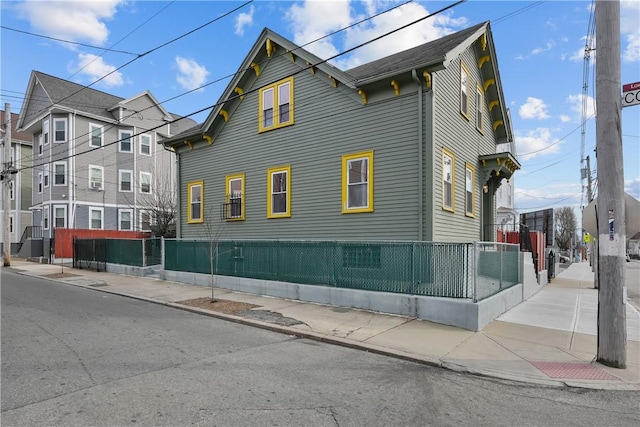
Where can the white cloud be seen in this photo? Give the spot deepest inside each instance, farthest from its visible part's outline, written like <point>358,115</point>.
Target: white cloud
<point>630,28</point>
<point>243,20</point>
<point>191,75</point>
<point>539,50</point>
<point>313,19</point>
<point>632,187</point>
<point>534,108</point>
<point>564,118</point>
<point>534,143</point>
<point>80,20</point>
<point>575,102</point>
<point>94,67</point>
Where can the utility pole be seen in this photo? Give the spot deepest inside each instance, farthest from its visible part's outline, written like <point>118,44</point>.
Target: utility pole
<point>589,193</point>
<point>612,328</point>
<point>6,181</point>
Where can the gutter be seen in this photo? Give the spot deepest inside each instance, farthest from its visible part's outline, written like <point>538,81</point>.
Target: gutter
<point>414,74</point>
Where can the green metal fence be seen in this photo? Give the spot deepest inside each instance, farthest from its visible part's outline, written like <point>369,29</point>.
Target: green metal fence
<point>134,252</point>
<point>417,268</point>
<point>497,267</point>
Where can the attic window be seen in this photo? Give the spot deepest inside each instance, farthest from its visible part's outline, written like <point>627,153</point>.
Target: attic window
<point>276,105</point>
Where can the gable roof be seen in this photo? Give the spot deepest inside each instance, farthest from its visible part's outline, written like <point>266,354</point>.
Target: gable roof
<point>433,55</point>
<point>425,55</point>
<point>76,97</point>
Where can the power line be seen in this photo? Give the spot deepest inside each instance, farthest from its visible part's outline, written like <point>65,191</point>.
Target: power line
<point>303,69</point>
<point>243,70</point>
<point>558,140</point>
<point>70,42</point>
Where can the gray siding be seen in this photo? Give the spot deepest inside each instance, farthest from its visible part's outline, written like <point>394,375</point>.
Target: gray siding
<point>38,104</point>
<point>460,136</point>
<point>329,123</point>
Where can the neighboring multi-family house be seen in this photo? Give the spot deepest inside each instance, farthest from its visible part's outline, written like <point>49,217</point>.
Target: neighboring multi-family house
<point>20,182</point>
<point>97,161</point>
<point>401,148</point>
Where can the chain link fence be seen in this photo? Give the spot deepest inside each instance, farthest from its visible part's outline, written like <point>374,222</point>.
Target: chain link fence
<point>417,268</point>
<point>96,253</point>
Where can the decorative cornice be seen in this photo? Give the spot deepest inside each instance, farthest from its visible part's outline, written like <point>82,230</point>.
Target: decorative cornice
<point>396,87</point>
<point>363,95</point>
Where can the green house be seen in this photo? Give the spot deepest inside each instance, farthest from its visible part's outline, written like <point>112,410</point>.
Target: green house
<point>408,147</point>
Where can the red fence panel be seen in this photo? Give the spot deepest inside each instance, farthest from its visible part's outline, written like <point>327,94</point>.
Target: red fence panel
<point>64,238</point>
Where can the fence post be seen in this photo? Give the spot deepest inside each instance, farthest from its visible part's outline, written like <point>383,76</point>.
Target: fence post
<point>162,252</point>
<point>144,252</point>
<point>501,248</point>
<point>474,270</point>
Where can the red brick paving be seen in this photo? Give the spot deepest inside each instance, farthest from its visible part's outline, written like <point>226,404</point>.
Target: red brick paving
<point>573,370</point>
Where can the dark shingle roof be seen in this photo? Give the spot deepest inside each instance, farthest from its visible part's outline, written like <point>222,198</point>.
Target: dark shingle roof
<point>91,101</point>
<point>77,97</point>
<point>423,55</point>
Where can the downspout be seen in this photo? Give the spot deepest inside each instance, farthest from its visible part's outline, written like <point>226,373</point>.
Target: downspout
<point>420,162</point>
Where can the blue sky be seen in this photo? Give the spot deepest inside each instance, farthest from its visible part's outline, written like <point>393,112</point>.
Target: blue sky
<point>540,49</point>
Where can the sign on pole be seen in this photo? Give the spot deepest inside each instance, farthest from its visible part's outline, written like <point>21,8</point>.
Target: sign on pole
<point>630,94</point>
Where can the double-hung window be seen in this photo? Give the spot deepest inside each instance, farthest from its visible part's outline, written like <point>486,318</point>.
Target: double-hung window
<point>145,182</point>
<point>125,219</point>
<point>276,105</point>
<point>59,130</point>
<point>195,204</point>
<point>448,170</point>
<point>40,138</point>
<point>464,91</point>
<point>46,175</point>
<point>95,218</point>
<point>60,173</point>
<point>126,141</point>
<point>479,108</point>
<point>357,182</point>
<point>145,144</point>
<point>469,193</point>
<point>145,220</point>
<point>60,216</point>
<point>96,177</point>
<point>45,132</point>
<point>40,181</point>
<point>124,181</point>
<point>45,217</point>
<point>96,135</point>
<point>279,192</point>
<point>235,197</point>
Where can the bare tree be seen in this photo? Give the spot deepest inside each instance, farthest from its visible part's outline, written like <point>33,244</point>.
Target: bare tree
<point>159,199</point>
<point>213,226</point>
<point>566,224</point>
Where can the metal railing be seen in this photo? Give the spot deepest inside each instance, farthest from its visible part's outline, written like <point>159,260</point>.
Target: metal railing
<point>30,232</point>
<point>453,270</point>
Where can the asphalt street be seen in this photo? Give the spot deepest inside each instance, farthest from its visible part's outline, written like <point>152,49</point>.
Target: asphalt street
<point>75,357</point>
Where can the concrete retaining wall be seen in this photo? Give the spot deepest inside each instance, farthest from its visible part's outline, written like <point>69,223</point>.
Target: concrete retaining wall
<point>461,313</point>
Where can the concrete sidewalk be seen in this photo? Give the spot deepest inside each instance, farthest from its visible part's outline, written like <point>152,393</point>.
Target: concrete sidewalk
<point>551,339</point>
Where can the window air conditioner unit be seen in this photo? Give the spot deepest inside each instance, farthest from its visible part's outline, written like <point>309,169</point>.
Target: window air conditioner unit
<point>95,185</point>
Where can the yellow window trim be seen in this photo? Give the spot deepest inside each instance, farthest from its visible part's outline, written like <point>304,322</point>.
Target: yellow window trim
<point>464,69</point>
<point>480,108</point>
<point>190,219</point>
<point>227,193</point>
<point>271,171</point>
<point>453,180</point>
<point>471,214</point>
<point>276,109</point>
<point>345,181</point>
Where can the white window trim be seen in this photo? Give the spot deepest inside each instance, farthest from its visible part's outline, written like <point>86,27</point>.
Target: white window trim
<point>140,144</point>
<point>46,176</point>
<point>131,219</point>
<point>45,214</point>
<point>150,183</point>
<point>54,174</point>
<point>91,127</point>
<point>120,138</point>
<point>101,168</point>
<point>40,144</point>
<point>64,207</point>
<point>66,130</point>
<point>91,210</point>
<point>131,186</point>
<point>40,182</point>
<point>142,212</point>
<point>45,131</point>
